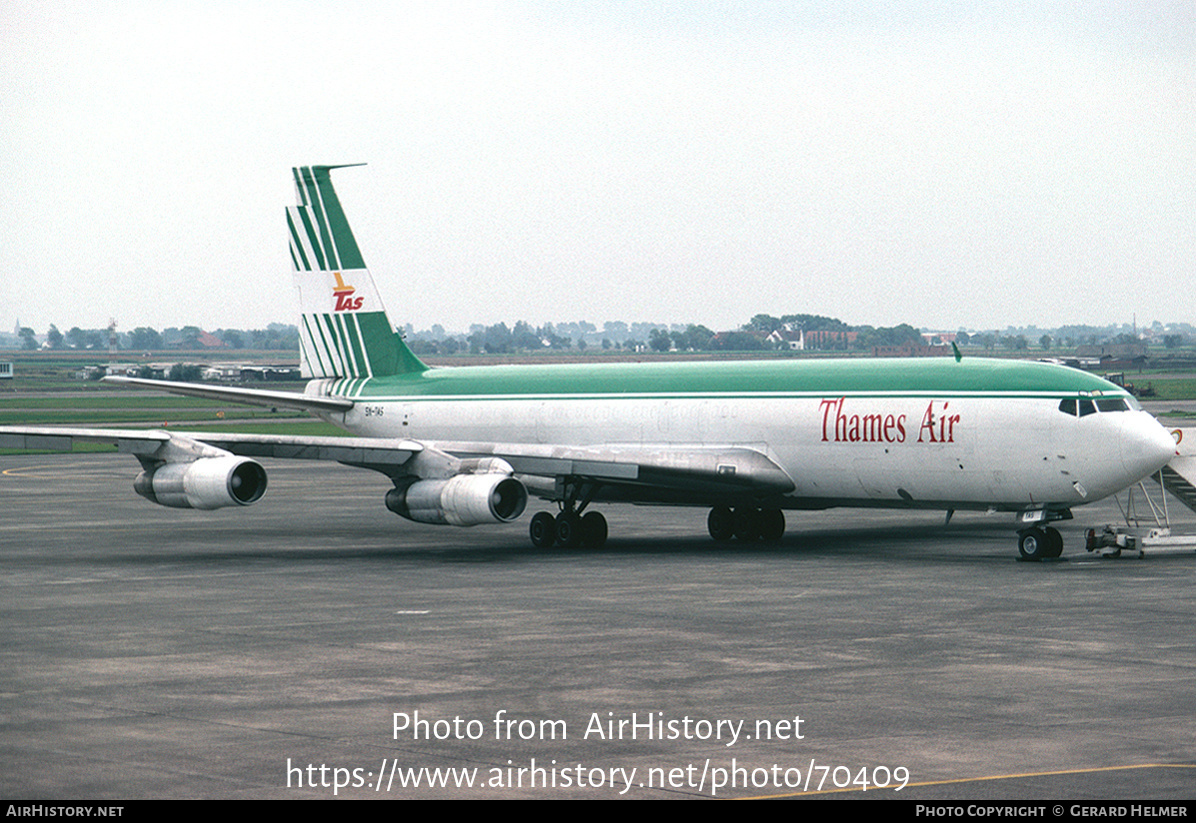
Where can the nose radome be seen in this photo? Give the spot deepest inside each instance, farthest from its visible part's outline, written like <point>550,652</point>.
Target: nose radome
<point>1145,446</point>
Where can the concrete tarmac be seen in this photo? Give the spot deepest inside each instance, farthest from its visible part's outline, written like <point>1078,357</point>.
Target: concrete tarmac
<point>265,653</point>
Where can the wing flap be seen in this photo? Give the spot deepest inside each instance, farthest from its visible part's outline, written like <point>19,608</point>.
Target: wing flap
<point>696,467</point>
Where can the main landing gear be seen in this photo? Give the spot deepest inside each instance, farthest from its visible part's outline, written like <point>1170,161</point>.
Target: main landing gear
<point>746,523</point>
<point>570,528</point>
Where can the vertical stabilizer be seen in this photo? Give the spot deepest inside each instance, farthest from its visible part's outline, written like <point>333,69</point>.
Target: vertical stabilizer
<point>343,327</point>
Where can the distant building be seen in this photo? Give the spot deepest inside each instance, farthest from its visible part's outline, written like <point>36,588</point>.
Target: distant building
<point>912,351</point>
<point>802,340</point>
<point>786,339</point>
<point>1114,355</point>
<point>5,370</point>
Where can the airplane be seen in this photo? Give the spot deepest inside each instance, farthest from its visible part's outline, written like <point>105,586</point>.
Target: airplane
<point>747,440</point>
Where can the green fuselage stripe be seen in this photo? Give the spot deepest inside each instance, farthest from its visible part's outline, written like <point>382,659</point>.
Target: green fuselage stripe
<point>743,379</point>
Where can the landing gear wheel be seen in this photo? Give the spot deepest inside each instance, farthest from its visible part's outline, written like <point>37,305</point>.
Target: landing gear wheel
<point>568,530</point>
<point>747,523</point>
<point>543,530</point>
<point>721,523</point>
<point>1054,542</point>
<point>1033,544</point>
<point>593,530</point>
<point>771,523</point>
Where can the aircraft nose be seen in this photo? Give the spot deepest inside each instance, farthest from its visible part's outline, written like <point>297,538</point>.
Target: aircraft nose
<point>1145,446</point>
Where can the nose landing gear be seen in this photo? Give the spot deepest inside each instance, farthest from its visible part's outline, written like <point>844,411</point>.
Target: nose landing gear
<point>1040,543</point>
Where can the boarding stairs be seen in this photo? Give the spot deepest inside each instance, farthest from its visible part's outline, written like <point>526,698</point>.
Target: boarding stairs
<point>1179,478</point>
<point>1139,535</point>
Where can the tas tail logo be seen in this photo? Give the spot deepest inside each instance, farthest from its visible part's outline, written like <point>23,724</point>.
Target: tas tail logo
<point>344,295</point>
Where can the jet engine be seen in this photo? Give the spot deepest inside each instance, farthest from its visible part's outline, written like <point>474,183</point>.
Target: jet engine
<point>461,500</point>
<point>206,483</point>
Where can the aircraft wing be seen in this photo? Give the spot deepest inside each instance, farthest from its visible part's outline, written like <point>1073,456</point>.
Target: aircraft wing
<point>629,471</point>
<point>354,450</point>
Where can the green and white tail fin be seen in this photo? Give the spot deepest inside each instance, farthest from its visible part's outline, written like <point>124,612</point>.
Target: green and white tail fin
<point>343,328</point>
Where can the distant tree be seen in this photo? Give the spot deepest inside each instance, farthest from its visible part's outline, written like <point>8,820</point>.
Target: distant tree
<point>28,339</point>
<point>900,335</point>
<point>232,338</point>
<point>1173,341</point>
<point>1045,342</point>
<point>524,337</point>
<point>659,340</point>
<point>765,323</point>
<point>190,337</point>
<point>187,372</point>
<point>87,339</point>
<point>54,337</point>
<point>738,341</point>
<point>144,338</point>
<point>962,338</point>
<point>814,322</point>
<point>695,338</point>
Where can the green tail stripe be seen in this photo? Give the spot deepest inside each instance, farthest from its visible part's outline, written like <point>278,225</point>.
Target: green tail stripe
<point>317,214</point>
<point>297,247</point>
<point>359,354</point>
<point>337,239</point>
<point>306,216</point>
<point>343,345</point>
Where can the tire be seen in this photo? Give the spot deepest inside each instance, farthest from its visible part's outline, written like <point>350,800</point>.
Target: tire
<point>1033,544</point>
<point>1054,542</point>
<point>772,524</point>
<point>747,524</point>
<point>543,530</point>
<point>568,530</point>
<point>593,530</point>
<point>721,523</point>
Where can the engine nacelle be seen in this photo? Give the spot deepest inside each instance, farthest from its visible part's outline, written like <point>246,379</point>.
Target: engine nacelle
<point>206,483</point>
<point>462,500</point>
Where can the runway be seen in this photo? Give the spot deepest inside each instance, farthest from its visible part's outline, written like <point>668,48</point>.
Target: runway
<point>252,653</point>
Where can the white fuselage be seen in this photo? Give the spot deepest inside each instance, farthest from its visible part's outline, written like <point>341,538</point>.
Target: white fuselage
<point>939,451</point>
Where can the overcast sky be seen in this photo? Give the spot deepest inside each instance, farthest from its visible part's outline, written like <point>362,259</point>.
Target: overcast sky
<point>952,164</point>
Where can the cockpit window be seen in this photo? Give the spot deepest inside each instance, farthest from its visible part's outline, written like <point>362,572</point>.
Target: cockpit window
<point>1085,406</point>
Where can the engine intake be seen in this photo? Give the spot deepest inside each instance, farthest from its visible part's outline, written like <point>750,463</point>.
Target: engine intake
<point>207,483</point>
<point>462,500</point>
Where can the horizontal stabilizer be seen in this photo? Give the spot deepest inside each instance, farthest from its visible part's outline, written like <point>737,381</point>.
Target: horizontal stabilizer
<point>249,397</point>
